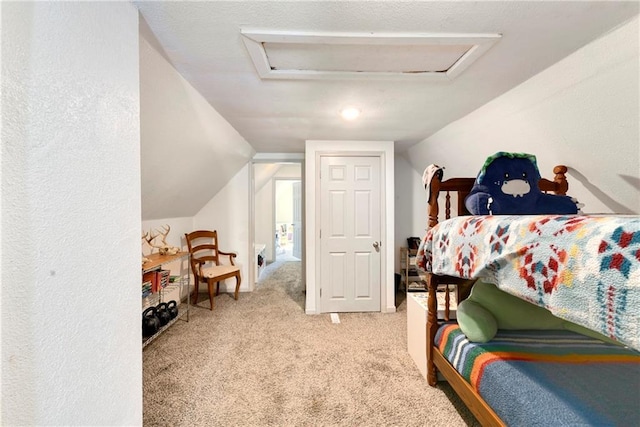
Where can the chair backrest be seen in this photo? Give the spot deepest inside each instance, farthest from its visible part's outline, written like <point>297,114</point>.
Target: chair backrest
<point>462,187</point>
<point>203,248</point>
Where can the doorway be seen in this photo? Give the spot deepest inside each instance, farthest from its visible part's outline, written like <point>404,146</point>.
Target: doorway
<point>277,216</point>
<point>287,204</point>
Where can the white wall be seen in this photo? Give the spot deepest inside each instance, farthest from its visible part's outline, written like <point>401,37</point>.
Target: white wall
<point>228,212</point>
<point>71,329</point>
<point>312,151</point>
<point>264,218</point>
<point>410,205</point>
<point>582,112</point>
<point>284,202</point>
<point>189,151</point>
<point>264,232</point>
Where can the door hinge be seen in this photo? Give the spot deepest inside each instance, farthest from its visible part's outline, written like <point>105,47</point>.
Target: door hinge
<point>320,292</point>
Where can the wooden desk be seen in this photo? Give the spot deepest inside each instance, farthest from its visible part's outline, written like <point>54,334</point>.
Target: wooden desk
<point>157,260</point>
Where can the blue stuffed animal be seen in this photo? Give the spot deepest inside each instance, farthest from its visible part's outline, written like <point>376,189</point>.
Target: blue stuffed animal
<point>508,185</point>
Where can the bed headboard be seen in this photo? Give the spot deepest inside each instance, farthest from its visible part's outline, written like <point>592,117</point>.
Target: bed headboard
<point>462,187</point>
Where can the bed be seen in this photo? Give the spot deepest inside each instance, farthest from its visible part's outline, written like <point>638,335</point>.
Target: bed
<point>582,268</point>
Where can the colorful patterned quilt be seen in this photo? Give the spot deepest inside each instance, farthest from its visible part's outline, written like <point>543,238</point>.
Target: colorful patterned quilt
<point>585,269</point>
<point>548,378</point>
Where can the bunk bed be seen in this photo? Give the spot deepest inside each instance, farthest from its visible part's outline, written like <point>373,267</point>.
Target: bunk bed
<point>584,269</point>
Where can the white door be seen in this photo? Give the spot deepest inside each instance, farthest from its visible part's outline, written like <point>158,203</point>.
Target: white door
<point>350,270</point>
<point>297,219</point>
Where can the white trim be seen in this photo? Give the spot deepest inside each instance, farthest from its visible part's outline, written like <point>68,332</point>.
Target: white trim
<point>278,157</point>
<point>254,41</point>
<point>252,228</point>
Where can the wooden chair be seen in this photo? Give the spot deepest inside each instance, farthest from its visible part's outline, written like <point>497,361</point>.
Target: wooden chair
<point>205,257</point>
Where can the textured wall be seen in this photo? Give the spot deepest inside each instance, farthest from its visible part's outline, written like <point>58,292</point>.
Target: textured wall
<point>583,112</point>
<point>71,350</point>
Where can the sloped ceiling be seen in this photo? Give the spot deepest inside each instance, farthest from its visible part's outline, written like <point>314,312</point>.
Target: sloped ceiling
<point>204,43</point>
<point>263,174</point>
<point>188,151</point>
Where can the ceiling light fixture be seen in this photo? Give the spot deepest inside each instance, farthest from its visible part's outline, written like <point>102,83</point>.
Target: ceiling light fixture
<point>350,113</point>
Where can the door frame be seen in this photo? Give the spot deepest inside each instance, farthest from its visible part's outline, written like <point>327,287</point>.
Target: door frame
<point>314,149</point>
<point>272,158</point>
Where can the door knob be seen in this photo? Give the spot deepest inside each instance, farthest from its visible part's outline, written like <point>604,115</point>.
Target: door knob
<point>376,246</point>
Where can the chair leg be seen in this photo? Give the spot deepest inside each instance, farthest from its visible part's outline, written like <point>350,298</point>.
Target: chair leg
<point>217,288</point>
<point>237,286</point>
<point>210,283</point>
<point>196,287</point>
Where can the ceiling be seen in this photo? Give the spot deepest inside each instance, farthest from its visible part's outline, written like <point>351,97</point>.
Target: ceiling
<point>298,95</point>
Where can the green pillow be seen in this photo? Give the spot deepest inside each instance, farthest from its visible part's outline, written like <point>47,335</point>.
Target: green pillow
<point>488,309</point>
<point>512,312</point>
<point>476,322</point>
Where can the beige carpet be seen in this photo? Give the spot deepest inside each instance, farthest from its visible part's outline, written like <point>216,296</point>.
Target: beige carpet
<point>260,361</point>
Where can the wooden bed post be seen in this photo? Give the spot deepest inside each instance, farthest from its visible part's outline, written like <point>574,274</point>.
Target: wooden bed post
<point>432,326</point>
<point>433,201</point>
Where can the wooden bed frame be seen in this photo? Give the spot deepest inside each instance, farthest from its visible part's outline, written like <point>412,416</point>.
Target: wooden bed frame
<point>435,359</point>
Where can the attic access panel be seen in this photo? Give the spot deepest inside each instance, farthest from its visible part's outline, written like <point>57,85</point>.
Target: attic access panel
<point>289,55</point>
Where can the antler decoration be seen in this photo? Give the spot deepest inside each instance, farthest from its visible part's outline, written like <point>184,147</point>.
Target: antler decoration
<point>165,248</point>
<point>164,235</point>
<point>144,239</point>
<point>149,238</point>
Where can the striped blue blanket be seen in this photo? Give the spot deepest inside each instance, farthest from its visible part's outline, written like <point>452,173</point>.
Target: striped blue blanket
<point>549,378</point>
